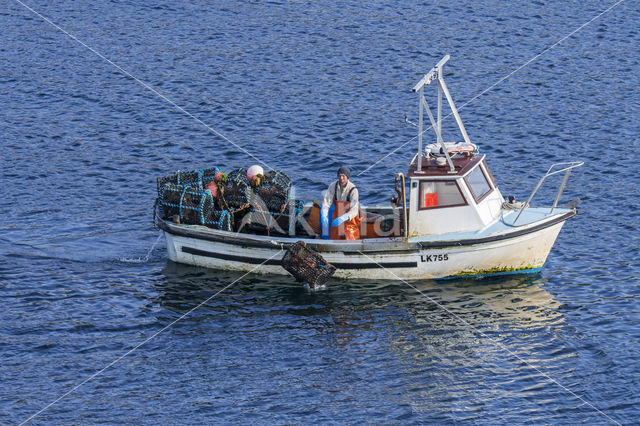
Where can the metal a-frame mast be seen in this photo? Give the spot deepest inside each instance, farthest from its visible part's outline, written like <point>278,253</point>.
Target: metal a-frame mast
<point>436,75</point>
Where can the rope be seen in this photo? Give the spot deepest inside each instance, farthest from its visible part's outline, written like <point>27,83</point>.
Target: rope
<point>143,259</point>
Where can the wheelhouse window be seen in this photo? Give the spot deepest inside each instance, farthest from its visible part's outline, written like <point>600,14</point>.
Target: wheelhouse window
<point>486,169</point>
<point>440,193</point>
<point>478,184</point>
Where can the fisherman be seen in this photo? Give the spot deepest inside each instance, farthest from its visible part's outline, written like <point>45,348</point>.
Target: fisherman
<point>341,204</point>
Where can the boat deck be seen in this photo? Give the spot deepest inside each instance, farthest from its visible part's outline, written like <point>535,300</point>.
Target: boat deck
<point>530,217</point>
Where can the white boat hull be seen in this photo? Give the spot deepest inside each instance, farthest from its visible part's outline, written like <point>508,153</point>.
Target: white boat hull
<point>520,251</point>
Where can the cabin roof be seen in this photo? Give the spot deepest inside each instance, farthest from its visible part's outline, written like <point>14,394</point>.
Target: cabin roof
<point>461,163</point>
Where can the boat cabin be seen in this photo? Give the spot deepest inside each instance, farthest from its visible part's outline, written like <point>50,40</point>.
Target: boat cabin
<point>451,187</point>
<point>444,200</point>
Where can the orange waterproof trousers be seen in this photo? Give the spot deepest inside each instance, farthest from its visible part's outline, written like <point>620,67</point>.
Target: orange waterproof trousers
<point>347,230</point>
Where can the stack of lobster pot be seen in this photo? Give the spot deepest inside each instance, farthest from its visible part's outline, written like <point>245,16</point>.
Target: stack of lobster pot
<point>273,209</point>
<point>182,199</point>
<point>265,205</point>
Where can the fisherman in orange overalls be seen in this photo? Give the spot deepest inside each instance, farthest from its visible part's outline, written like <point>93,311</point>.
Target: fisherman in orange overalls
<point>341,204</point>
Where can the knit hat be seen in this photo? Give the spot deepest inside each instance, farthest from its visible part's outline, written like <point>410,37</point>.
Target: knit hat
<point>344,170</point>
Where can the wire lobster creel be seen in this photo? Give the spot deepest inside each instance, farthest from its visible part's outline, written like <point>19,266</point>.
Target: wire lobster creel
<point>219,219</point>
<point>185,178</point>
<point>237,189</point>
<point>274,191</point>
<point>307,265</point>
<point>190,204</point>
<point>262,221</point>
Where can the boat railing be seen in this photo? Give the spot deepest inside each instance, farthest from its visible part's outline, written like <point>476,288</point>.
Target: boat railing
<point>554,169</point>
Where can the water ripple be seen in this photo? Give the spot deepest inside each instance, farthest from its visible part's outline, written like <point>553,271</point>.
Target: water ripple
<point>309,87</point>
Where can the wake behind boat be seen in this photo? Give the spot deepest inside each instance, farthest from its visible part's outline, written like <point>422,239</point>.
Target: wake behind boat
<point>448,217</point>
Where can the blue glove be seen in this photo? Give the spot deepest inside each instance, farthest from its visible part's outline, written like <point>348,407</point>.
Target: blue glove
<point>324,224</point>
<point>338,220</point>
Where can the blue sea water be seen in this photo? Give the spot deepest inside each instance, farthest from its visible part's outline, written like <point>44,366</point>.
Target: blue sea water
<point>96,324</point>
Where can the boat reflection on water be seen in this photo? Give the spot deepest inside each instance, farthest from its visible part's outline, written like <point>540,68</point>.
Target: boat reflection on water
<point>453,349</point>
<point>519,301</point>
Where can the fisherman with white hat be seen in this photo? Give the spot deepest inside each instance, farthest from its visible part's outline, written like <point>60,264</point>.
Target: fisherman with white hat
<point>341,199</point>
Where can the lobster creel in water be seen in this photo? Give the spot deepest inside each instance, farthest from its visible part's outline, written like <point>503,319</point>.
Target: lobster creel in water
<point>306,265</point>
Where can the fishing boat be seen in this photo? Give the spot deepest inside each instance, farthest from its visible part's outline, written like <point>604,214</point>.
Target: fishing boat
<point>448,219</point>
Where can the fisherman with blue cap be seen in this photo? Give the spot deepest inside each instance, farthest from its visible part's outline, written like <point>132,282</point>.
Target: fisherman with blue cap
<point>342,205</point>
